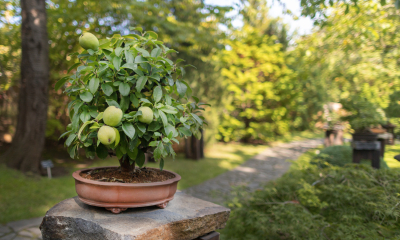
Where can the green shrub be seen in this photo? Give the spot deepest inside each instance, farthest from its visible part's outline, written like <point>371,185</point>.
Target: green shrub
<point>335,155</point>
<point>339,156</point>
<point>309,202</point>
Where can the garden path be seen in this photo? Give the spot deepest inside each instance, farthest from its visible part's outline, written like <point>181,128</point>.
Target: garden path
<point>264,167</point>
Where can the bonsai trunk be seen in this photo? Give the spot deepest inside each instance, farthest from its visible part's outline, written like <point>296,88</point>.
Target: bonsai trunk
<point>126,166</point>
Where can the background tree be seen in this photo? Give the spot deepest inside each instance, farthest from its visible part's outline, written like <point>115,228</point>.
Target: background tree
<point>25,151</point>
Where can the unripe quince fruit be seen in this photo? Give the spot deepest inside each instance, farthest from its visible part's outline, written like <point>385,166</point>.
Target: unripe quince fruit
<point>112,116</point>
<point>106,135</point>
<point>147,115</point>
<point>89,41</point>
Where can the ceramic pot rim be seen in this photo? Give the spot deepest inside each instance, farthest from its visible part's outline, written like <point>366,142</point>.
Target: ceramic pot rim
<point>94,182</point>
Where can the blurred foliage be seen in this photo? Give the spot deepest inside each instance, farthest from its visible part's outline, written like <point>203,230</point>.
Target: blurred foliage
<point>353,57</point>
<point>308,202</point>
<point>361,113</point>
<point>260,84</point>
<point>190,27</point>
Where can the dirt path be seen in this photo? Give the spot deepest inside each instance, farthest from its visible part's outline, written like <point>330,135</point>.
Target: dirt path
<point>266,166</point>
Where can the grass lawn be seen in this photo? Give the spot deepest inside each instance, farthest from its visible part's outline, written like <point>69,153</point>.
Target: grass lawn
<point>390,152</point>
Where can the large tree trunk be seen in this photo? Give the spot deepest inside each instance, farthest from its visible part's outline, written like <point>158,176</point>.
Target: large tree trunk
<point>25,152</point>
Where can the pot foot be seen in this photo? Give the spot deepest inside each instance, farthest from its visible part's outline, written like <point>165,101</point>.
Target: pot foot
<point>115,210</point>
<point>162,205</point>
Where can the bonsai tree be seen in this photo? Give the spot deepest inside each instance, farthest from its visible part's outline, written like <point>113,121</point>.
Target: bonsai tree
<point>127,99</point>
<point>362,114</point>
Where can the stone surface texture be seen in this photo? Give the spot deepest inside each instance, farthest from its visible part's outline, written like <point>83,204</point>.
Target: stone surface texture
<point>185,217</point>
<point>266,166</point>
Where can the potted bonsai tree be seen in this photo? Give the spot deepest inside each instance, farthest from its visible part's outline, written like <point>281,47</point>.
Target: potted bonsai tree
<point>128,99</point>
<point>362,115</point>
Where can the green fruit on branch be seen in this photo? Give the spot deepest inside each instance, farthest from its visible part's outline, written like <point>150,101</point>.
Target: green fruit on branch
<point>112,116</point>
<point>89,41</point>
<point>147,115</point>
<point>106,135</point>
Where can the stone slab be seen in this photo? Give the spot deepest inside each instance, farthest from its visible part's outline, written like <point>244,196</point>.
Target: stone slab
<point>185,217</point>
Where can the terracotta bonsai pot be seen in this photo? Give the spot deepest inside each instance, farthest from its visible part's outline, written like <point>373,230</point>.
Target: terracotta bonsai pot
<point>117,197</point>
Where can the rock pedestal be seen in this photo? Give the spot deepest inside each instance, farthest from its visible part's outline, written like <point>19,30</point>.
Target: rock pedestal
<point>185,217</point>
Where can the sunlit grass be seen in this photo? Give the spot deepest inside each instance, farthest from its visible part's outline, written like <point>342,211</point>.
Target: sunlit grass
<point>390,152</point>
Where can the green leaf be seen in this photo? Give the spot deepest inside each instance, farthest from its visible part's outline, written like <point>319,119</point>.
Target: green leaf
<point>86,96</point>
<point>170,81</point>
<point>100,116</point>
<point>169,109</point>
<point>152,34</point>
<point>156,52</point>
<point>129,57</point>
<point>140,83</point>
<point>161,164</point>
<point>131,66</point>
<point>197,118</point>
<point>133,154</point>
<point>75,122</point>
<point>185,131</point>
<point>124,103</point>
<point>163,118</point>
<point>154,126</point>
<point>140,59</point>
<point>83,127</point>
<point>117,62</point>
<point>124,89</point>
<point>157,94</point>
<point>128,129</point>
<point>73,66</point>
<point>139,29</point>
<point>102,151</point>
<point>118,51</point>
<point>141,158</point>
<point>61,83</point>
<point>85,116</point>
<point>134,100</point>
<point>107,89</point>
<point>63,135</point>
<point>112,103</point>
<point>182,71</point>
<point>70,139</point>
<point>144,52</point>
<point>118,152</point>
<point>153,143</point>
<point>94,85</point>
<point>133,143</point>
<point>117,136</point>
<point>72,151</point>
<point>181,88</point>
<point>141,127</point>
<point>170,131</point>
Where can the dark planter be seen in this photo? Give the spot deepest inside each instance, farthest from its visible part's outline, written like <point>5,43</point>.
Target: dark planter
<point>365,136</point>
<point>366,146</point>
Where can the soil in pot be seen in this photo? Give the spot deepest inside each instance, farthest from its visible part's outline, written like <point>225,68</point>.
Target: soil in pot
<point>142,175</point>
